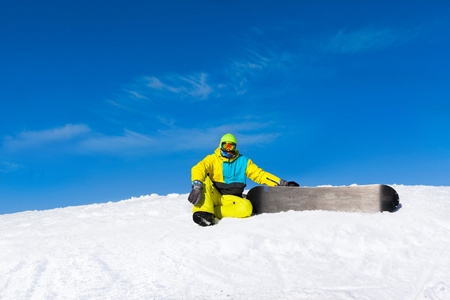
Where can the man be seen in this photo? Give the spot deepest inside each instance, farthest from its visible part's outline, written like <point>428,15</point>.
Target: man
<point>218,182</point>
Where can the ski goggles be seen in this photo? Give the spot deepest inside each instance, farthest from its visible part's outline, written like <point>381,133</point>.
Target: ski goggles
<point>228,146</point>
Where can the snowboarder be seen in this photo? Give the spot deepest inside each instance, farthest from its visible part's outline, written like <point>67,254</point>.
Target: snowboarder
<point>218,182</point>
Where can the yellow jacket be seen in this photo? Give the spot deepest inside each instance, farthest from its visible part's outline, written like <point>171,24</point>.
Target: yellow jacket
<point>229,175</point>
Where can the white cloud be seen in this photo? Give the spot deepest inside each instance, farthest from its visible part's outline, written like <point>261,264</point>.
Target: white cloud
<point>136,94</point>
<point>76,139</point>
<point>36,139</point>
<point>231,79</point>
<point>261,62</point>
<point>156,84</point>
<point>79,139</point>
<point>193,87</point>
<point>147,92</point>
<point>366,39</point>
<point>255,64</point>
<point>6,167</point>
<point>166,121</point>
<point>114,103</point>
<point>180,139</point>
<point>129,143</point>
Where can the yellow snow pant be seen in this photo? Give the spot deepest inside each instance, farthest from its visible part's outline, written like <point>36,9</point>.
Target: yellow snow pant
<point>222,206</point>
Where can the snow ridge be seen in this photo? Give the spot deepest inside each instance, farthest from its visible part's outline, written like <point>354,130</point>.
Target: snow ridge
<point>148,248</point>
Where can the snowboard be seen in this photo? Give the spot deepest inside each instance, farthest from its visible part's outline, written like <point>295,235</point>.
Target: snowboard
<point>359,198</point>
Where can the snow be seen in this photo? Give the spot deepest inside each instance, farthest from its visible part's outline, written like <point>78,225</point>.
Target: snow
<point>149,248</point>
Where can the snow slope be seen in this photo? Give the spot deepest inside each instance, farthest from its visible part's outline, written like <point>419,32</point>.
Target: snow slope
<point>148,248</point>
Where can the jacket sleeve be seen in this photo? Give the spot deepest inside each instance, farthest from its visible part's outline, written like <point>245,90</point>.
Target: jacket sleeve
<point>260,176</point>
<point>200,170</point>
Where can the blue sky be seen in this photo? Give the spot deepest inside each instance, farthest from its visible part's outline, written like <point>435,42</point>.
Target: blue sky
<point>105,100</point>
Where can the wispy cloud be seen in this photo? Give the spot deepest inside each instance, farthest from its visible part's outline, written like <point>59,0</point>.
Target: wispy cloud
<point>128,143</point>
<point>37,139</point>
<point>79,139</point>
<point>263,68</point>
<point>174,87</point>
<point>193,87</point>
<point>255,64</point>
<point>229,79</point>
<point>247,132</point>
<point>153,96</point>
<point>136,94</point>
<point>72,139</point>
<point>368,39</point>
<point>6,167</point>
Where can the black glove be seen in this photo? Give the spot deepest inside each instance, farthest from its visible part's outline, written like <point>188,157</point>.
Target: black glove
<point>196,193</point>
<point>285,183</point>
<point>282,182</point>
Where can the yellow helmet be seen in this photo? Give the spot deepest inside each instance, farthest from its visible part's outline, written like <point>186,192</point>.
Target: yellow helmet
<point>228,138</point>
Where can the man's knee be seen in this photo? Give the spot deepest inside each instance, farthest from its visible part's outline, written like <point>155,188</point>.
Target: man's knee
<point>246,208</point>
<point>236,207</point>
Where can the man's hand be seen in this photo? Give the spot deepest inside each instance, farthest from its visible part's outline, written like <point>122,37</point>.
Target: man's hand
<point>282,182</point>
<point>196,193</point>
<point>285,183</point>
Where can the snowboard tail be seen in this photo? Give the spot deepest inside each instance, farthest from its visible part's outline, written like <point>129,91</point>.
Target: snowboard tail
<point>362,198</point>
